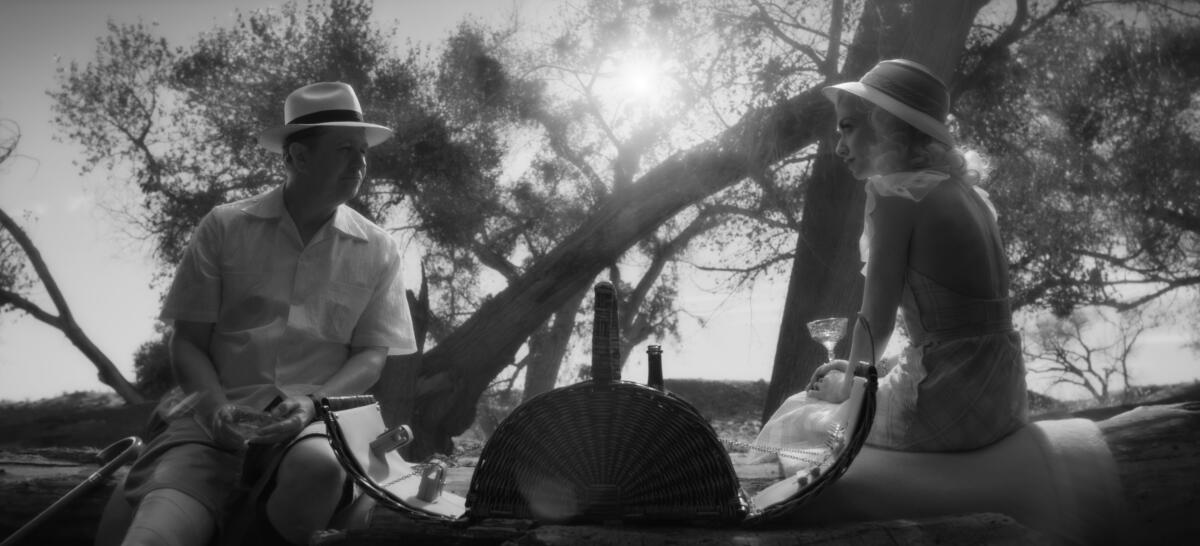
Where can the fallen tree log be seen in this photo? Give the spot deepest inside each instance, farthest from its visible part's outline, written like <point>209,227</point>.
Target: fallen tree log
<point>1157,455</point>
<point>1156,449</point>
<point>959,529</point>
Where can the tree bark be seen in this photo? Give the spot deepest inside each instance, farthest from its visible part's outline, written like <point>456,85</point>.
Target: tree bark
<point>457,371</point>
<point>396,389</point>
<point>546,359</point>
<point>825,278</point>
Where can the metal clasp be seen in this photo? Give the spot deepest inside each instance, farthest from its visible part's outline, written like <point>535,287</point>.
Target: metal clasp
<point>433,478</point>
<point>392,440</point>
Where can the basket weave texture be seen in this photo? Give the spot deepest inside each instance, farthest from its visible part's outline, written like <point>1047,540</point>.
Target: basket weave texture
<point>602,452</point>
<point>606,450</point>
<point>609,450</point>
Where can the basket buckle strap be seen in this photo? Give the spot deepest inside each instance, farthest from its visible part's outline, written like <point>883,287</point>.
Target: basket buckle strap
<point>392,440</point>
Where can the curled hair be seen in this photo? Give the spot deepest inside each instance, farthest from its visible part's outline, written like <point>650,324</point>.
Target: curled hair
<point>899,146</point>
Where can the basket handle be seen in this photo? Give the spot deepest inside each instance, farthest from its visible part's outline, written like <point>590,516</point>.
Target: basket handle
<point>606,338</point>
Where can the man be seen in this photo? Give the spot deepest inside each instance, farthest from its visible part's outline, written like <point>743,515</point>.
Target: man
<point>288,295</point>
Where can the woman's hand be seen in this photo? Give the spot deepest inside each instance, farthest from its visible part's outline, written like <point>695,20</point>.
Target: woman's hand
<point>826,382</point>
<point>834,365</point>
<point>291,416</point>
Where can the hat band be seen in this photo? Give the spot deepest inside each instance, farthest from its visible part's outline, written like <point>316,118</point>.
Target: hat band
<point>923,100</point>
<point>327,116</point>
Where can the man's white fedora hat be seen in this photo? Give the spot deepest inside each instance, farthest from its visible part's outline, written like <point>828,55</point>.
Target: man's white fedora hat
<point>331,104</point>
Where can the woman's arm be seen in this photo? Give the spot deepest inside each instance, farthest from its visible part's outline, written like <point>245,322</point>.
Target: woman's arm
<point>893,219</point>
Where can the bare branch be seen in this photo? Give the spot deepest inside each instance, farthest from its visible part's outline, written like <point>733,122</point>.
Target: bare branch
<point>773,26</point>
<point>39,265</point>
<point>18,301</point>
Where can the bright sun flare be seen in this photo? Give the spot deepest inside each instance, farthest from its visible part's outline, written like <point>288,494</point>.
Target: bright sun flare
<point>636,78</point>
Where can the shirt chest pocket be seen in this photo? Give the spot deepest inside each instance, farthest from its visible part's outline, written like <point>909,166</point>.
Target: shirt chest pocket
<point>250,300</point>
<point>335,313</point>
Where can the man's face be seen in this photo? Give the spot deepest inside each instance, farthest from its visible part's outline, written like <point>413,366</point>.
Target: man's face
<point>856,138</point>
<point>337,163</point>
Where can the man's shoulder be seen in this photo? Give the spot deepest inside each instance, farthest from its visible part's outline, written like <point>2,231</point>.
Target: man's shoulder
<point>260,205</point>
<point>369,230</point>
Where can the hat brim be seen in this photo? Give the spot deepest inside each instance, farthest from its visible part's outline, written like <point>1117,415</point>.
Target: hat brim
<point>272,139</point>
<point>922,121</point>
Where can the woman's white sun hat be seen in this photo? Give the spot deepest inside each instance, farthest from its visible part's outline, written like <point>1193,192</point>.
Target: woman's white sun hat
<point>907,90</point>
<point>330,104</point>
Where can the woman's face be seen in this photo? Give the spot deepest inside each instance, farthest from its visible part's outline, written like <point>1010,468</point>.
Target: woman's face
<point>856,142</point>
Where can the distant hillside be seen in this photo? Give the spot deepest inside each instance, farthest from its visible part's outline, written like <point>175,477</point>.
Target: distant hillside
<point>723,399</point>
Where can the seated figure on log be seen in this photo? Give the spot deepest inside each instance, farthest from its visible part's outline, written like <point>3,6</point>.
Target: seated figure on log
<point>284,297</point>
<point>931,248</point>
<point>950,433</point>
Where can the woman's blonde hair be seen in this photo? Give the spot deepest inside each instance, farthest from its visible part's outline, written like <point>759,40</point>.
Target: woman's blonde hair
<point>902,147</point>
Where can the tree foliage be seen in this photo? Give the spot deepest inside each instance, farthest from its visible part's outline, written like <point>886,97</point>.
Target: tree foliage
<point>182,123</point>
<point>524,172</point>
<point>152,367</point>
<point>1090,123</point>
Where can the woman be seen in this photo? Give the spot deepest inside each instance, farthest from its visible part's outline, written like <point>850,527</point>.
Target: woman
<point>932,249</point>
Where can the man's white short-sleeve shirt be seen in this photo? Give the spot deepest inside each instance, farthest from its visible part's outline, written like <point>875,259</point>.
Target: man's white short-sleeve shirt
<point>285,313</point>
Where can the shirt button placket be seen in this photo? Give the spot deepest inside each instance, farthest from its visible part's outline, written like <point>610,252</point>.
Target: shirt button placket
<point>296,315</point>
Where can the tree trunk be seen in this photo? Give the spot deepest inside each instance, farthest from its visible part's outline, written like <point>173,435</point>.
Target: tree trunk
<point>825,277</point>
<point>458,370</point>
<point>396,389</point>
<point>545,360</point>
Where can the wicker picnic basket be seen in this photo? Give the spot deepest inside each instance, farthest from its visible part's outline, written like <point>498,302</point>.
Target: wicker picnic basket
<point>606,450</point>
<point>602,450</point>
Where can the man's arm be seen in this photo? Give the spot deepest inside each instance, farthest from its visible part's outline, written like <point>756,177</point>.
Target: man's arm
<point>196,374</point>
<point>361,371</point>
<point>193,368</point>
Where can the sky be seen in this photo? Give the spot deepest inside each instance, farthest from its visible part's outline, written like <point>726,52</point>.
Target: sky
<point>106,274</point>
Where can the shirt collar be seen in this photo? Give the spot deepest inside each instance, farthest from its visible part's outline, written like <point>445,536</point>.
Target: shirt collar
<point>270,205</point>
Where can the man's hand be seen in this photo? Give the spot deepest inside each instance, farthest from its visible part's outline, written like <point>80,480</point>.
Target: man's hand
<point>291,416</point>
<point>230,425</point>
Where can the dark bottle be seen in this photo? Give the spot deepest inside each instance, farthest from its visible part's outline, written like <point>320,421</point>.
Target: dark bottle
<point>606,337</point>
<point>654,358</point>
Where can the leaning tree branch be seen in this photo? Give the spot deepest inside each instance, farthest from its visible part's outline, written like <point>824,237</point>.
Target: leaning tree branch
<point>14,299</point>
<point>65,321</point>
